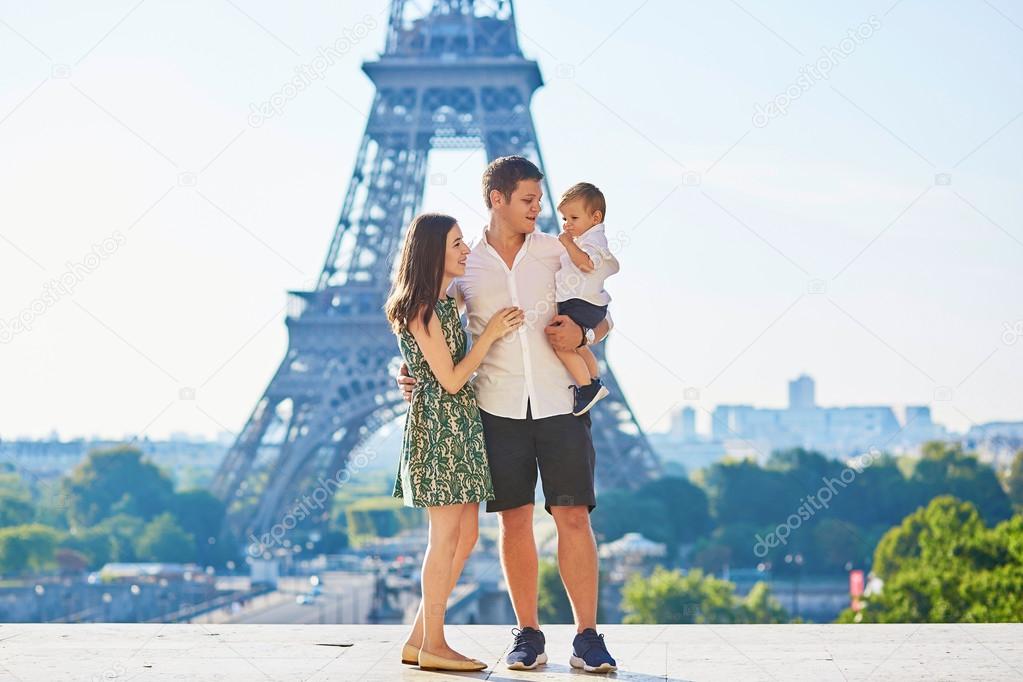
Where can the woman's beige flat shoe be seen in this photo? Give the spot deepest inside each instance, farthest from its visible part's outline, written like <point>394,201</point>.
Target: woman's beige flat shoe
<point>409,655</point>
<point>428,661</point>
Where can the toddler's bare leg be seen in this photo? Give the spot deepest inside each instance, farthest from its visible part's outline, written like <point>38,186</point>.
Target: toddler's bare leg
<point>590,359</point>
<point>575,365</point>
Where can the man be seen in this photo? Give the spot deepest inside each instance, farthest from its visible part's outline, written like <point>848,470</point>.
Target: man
<point>525,401</point>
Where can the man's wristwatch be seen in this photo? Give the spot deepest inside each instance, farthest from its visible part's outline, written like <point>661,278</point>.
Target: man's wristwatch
<point>588,337</point>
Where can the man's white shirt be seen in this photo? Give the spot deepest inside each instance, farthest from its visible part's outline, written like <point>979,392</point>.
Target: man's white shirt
<point>571,282</point>
<point>521,367</point>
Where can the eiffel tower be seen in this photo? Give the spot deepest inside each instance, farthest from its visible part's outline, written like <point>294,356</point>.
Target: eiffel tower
<point>452,77</point>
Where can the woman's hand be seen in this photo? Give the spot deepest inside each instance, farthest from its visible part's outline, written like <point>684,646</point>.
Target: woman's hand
<point>504,321</point>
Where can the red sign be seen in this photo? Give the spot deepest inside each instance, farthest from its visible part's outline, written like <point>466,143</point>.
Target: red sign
<point>856,589</point>
<point>856,583</point>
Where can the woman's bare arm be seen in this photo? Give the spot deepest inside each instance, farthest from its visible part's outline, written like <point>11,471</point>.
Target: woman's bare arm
<point>452,377</point>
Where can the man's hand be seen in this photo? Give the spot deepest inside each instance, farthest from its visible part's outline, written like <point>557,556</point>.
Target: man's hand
<point>405,382</point>
<point>563,333</point>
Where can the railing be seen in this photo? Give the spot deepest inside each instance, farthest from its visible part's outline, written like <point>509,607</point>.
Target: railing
<point>189,611</point>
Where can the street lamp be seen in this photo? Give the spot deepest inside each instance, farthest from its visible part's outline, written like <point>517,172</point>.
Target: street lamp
<point>135,592</point>
<point>68,597</point>
<point>796,559</point>
<point>40,592</point>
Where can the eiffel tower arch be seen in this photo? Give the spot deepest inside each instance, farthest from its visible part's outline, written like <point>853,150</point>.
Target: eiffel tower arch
<point>453,77</point>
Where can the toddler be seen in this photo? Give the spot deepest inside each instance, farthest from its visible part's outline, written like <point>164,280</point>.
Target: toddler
<point>580,293</point>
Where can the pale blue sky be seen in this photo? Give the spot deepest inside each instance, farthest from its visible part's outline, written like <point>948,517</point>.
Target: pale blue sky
<point>102,109</point>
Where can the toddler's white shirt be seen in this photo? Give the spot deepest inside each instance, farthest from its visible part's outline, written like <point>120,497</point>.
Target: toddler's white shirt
<point>571,282</point>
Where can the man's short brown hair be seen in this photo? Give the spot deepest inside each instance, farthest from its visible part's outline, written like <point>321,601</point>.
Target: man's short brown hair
<point>504,173</point>
<point>593,198</point>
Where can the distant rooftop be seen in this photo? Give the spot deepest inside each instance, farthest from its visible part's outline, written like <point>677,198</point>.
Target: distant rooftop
<point>370,653</point>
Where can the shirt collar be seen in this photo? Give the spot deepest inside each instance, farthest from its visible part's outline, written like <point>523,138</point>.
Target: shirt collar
<point>482,243</point>
<point>596,230</point>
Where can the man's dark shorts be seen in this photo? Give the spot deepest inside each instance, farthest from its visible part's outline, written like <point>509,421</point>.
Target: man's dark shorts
<point>559,446</point>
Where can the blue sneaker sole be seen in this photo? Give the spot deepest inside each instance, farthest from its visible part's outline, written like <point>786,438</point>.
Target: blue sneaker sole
<point>577,662</point>
<point>540,660</point>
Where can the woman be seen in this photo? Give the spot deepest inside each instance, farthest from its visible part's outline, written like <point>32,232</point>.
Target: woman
<point>443,463</point>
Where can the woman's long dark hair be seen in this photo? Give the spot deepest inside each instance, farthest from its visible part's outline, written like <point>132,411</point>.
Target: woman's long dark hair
<point>420,270</point>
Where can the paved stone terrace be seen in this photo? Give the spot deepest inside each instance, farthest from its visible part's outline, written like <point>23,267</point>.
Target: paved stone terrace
<point>370,653</point>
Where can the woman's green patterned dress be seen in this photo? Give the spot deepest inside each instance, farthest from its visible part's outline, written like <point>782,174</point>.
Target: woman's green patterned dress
<point>443,456</point>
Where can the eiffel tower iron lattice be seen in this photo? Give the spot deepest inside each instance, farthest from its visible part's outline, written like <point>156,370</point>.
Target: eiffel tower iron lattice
<point>453,77</point>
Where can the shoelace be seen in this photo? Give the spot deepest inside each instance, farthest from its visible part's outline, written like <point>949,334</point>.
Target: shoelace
<point>594,640</point>
<point>522,640</point>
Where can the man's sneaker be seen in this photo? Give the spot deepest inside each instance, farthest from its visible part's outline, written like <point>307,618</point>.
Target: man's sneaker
<point>590,653</point>
<point>528,650</point>
<point>588,396</point>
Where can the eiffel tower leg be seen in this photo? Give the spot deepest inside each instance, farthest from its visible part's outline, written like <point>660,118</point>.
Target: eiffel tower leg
<point>336,369</point>
<point>237,462</point>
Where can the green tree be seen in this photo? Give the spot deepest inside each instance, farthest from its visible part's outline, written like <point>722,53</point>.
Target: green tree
<point>622,511</point>
<point>735,545</point>
<point>201,514</point>
<point>741,491</point>
<point>688,513</point>
<point>15,508</point>
<point>380,516</point>
<point>123,530</point>
<point>28,547</point>
<point>164,540</point>
<point>694,597</point>
<point>116,481</point>
<point>880,495</point>
<point>810,466</point>
<point>944,469</point>
<point>835,542</point>
<point>1013,481</point>
<point>942,564</point>
<point>761,606</point>
<point>553,603</point>
<point>97,545</point>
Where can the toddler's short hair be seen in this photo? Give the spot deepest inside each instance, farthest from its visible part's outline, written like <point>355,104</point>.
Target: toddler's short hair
<point>593,198</point>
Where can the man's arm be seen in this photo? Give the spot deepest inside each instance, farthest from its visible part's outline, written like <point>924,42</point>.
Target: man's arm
<point>406,383</point>
<point>565,335</point>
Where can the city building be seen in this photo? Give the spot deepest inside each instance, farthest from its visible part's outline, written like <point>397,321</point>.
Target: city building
<point>743,430</point>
